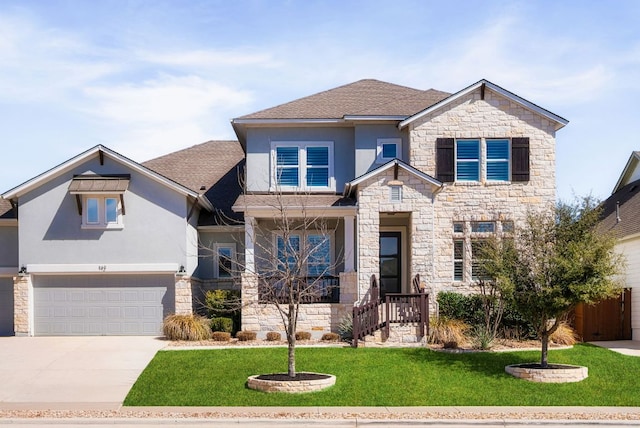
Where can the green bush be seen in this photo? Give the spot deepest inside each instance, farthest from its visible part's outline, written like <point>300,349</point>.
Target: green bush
<point>303,335</point>
<point>222,324</point>
<point>246,336</point>
<point>221,336</point>
<point>224,304</point>
<point>274,336</point>
<point>186,327</point>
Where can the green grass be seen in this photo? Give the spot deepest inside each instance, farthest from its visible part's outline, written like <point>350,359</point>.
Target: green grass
<point>385,377</point>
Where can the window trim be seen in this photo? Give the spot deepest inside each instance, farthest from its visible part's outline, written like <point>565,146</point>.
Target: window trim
<point>380,158</point>
<point>460,260</point>
<point>102,222</point>
<point>302,166</point>
<point>216,260</point>
<point>303,234</point>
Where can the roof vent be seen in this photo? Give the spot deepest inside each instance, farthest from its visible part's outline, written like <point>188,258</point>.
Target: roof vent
<point>617,211</point>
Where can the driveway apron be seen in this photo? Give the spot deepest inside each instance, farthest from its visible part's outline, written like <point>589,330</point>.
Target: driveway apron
<point>72,369</point>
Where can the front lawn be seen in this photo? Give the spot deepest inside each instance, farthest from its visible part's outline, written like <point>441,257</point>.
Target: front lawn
<point>385,377</point>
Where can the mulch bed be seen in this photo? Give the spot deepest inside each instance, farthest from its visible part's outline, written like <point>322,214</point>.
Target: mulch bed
<point>284,377</point>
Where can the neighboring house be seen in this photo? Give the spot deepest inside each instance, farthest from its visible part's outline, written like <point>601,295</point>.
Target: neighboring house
<point>105,245</point>
<point>399,182</point>
<point>621,217</point>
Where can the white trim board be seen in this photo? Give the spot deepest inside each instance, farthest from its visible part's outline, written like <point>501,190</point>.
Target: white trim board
<point>103,268</point>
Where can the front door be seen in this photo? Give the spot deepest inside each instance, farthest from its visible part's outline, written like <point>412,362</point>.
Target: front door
<point>390,262</point>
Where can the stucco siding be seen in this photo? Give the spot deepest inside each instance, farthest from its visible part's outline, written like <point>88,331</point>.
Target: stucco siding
<point>8,246</point>
<point>366,142</point>
<point>259,147</point>
<point>154,223</point>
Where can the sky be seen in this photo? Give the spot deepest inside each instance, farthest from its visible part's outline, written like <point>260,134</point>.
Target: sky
<point>146,78</point>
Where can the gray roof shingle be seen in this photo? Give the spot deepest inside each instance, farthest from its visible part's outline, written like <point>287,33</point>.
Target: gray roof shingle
<point>366,97</point>
<point>628,198</point>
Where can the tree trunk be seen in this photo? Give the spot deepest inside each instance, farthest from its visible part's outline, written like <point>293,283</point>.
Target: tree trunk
<point>291,341</point>
<point>544,337</point>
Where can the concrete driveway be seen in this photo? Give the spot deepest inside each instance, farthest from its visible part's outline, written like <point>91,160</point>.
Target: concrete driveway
<point>89,370</point>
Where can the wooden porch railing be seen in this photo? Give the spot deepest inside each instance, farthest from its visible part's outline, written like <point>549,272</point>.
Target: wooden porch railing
<point>400,308</point>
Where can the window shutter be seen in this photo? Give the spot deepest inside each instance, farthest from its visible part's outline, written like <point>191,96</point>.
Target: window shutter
<point>520,156</point>
<point>445,160</point>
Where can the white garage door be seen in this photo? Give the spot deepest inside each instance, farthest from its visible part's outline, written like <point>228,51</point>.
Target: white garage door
<point>6,306</point>
<point>102,304</point>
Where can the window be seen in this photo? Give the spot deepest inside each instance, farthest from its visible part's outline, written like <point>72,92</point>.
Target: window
<point>507,226</point>
<point>468,160</point>
<point>224,263</point>
<point>477,263</point>
<point>388,149</point>
<point>395,193</point>
<point>102,212</point>
<point>458,227</point>
<point>498,160</point>
<point>483,226</point>
<point>314,259</point>
<point>458,260</point>
<point>303,166</point>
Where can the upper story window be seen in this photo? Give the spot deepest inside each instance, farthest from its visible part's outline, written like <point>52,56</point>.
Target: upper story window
<point>388,149</point>
<point>302,166</point>
<point>476,160</point>
<point>102,212</point>
<point>498,160</point>
<point>468,160</point>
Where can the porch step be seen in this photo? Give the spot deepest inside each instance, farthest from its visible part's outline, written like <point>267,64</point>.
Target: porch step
<point>399,335</point>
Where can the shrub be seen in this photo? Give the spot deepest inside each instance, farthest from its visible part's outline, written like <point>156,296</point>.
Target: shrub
<point>222,324</point>
<point>467,308</point>
<point>482,339</point>
<point>303,335</point>
<point>223,303</point>
<point>330,337</point>
<point>447,331</point>
<point>345,328</point>
<point>246,336</point>
<point>564,335</point>
<point>274,336</point>
<point>221,336</point>
<point>186,327</point>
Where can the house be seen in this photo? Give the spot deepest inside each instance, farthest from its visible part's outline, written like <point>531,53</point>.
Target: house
<point>620,318</point>
<point>105,245</point>
<point>383,180</point>
<point>410,182</point>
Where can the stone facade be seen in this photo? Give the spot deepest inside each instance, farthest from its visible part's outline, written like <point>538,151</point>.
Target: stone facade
<point>184,298</point>
<point>22,296</point>
<point>317,318</point>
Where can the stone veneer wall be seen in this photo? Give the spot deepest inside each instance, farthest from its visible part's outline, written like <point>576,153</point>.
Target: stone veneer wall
<point>432,220</point>
<point>22,292</point>
<point>183,295</point>
<point>318,318</point>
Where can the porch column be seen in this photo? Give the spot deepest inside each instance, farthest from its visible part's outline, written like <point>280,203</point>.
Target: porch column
<point>349,250</point>
<point>23,305</point>
<point>249,245</point>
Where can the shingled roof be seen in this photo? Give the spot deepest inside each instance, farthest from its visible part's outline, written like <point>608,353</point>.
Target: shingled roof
<point>6,210</point>
<point>213,169</point>
<point>625,220</point>
<point>366,97</point>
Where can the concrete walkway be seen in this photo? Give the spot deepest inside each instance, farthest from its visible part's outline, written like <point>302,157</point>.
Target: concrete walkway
<point>626,347</point>
<point>95,371</point>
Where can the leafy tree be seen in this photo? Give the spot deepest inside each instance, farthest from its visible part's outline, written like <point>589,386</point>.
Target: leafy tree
<point>556,261</point>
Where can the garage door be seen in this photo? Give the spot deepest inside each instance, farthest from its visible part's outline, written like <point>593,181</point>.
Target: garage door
<point>6,306</point>
<point>102,304</point>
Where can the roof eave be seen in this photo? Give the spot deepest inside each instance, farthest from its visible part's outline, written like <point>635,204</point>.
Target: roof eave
<point>619,184</point>
<point>560,121</point>
<point>436,185</point>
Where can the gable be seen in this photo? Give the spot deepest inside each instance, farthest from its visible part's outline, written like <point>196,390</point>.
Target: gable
<point>100,152</point>
<point>630,173</point>
<point>394,165</point>
<point>480,89</point>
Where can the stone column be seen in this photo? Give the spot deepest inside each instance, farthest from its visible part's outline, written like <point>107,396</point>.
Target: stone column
<point>183,295</point>
<point>250,307</point>
<point>348,287</point>
<point>22,305</point>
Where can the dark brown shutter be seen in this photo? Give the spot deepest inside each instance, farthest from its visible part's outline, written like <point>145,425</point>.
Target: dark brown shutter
<point>520,159</point>
<point>444,160</point>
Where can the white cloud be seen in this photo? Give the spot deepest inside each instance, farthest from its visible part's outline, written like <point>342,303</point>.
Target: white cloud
<point>208,58</point>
